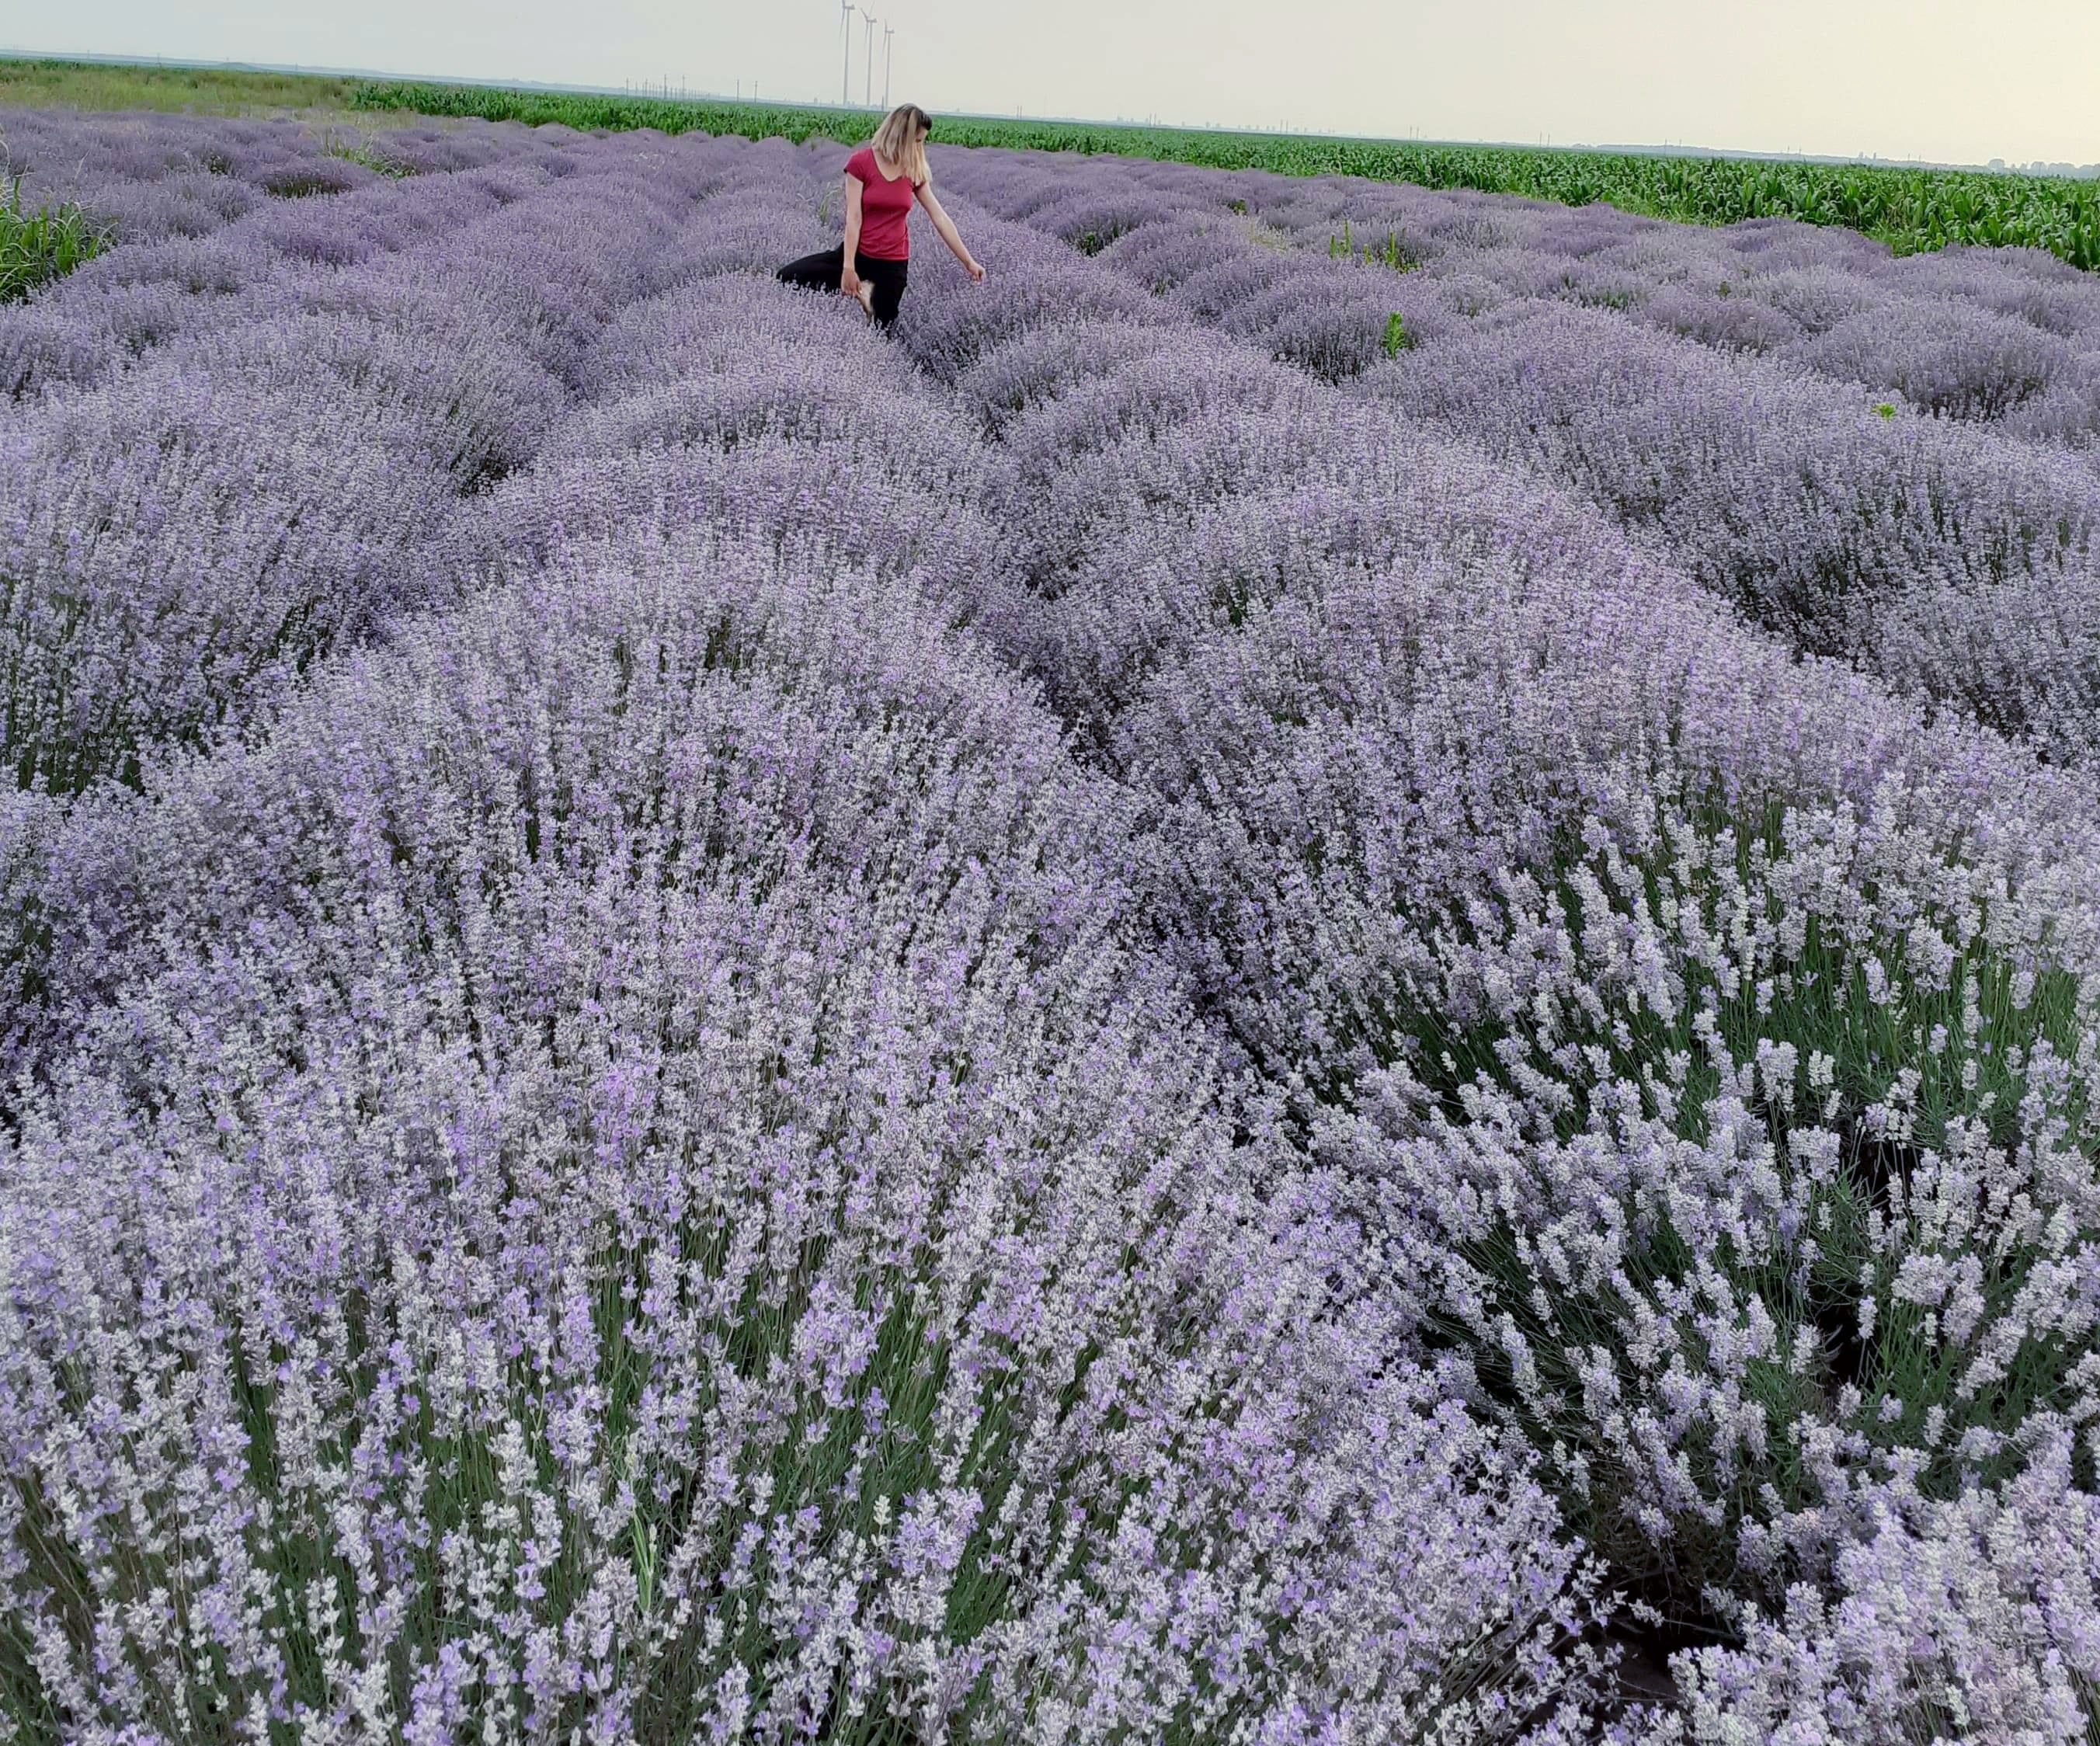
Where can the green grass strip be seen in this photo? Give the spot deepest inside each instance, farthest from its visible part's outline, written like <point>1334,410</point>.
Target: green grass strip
<point>50,81</point>
<point>1911,209</point>
<point>37,247</point>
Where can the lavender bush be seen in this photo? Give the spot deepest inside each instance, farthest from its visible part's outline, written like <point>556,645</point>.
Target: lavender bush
<point>1320,956</point>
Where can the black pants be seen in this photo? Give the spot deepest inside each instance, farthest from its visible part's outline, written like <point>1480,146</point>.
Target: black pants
<point>822,273</point>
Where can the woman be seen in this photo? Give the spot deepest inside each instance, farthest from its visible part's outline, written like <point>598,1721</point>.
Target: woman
<point>883,178</point>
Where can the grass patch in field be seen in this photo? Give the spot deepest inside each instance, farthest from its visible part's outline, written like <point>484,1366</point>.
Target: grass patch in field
<point>38,247</point>
<point>56,84</point>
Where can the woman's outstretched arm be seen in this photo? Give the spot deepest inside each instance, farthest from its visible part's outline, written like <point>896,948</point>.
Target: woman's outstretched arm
<point>849,280</point>
<point>946,226</point>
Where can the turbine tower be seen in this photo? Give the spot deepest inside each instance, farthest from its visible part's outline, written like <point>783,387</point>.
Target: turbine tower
<point>846,11</point>
<point>887,31</point>
<point>868,60</point>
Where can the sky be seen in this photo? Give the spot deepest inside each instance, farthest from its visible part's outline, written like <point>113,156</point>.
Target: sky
<point>1954,81</point>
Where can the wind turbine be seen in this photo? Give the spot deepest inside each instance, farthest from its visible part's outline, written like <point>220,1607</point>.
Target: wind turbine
<point>887,31</point>
<point>867,60</point>
<point>846,11</point>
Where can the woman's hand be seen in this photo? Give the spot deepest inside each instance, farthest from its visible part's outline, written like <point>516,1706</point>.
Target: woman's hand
<point>850,282</point>
<point>946,226</point>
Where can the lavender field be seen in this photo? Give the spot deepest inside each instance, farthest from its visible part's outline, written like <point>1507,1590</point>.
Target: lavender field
<point>1326,973</point>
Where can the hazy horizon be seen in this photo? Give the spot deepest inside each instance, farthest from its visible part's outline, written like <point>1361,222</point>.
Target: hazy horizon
<point>1930,79</point>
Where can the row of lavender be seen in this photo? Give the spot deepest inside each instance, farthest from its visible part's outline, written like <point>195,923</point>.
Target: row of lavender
<point>2010,336</point>
<point>1704,1040</point>
<point>206,209</point>
<point>1957,560</point>
<point>150,177</point>
<point>618,1161</point>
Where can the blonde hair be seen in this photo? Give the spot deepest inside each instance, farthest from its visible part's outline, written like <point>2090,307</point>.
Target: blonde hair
<point>901,141</point>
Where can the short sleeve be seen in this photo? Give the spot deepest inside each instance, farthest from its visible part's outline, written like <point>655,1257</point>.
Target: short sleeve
<point>861,165</point>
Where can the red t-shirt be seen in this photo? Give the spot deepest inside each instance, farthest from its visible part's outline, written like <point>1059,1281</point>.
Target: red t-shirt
<point>885,206</point>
